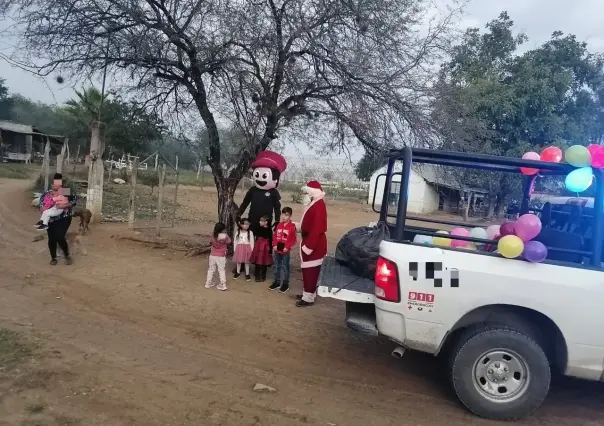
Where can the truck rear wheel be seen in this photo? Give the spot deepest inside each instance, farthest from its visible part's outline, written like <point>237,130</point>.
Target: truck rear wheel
<point>499,373</point>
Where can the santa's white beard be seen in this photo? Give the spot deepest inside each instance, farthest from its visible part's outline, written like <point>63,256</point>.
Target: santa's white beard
<point>306,200</point>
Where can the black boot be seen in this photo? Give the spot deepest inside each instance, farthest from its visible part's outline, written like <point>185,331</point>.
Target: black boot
<point>263,273</point>
<point>258,273</point>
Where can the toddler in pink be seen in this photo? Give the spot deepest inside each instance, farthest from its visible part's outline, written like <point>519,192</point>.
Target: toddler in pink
<point>50,208</point>
<point>217,262</point>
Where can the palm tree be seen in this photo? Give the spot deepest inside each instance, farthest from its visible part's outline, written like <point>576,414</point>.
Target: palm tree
<point>84,109</point>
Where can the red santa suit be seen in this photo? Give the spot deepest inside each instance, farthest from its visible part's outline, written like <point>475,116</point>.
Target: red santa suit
<point>313,246</point>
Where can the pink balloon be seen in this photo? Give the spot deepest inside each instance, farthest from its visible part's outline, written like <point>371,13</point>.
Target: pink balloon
<point>507,228</point>
<point>459,232</point>
<point>527,227</point>
<point>597,156</point>
<point>530,156</point>
<point>493,231</point>
<point>593,148</point>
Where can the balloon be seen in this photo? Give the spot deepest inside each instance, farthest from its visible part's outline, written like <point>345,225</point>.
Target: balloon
<point>507,228</point>
<point>493,231</point>
<point>551,154</point>
<point>479,233</point>
<point>510,246</point>
<point>597,156</point>
<point>578,156</point>
<point>470,246</point>
<point>530,156</point>
<point>440,241</point>
<point>527,227</point>
<point>534,251</point>
<point>459,232</point>
<point>422,239</point>
<point>579,180</point>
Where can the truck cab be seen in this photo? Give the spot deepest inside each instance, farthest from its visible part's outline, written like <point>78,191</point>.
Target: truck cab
<point>502,326</point>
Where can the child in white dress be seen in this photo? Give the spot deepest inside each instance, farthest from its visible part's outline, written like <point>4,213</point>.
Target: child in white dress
<point>243,247</point>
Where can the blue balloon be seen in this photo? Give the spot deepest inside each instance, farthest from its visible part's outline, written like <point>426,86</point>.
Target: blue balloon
<point>579,180</point>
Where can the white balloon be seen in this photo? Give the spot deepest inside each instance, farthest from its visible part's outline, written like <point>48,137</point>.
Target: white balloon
<point>479,233</point>
<point>422,239</point>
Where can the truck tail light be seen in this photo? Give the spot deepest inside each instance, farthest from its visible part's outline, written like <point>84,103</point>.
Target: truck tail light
<point>386,281</point>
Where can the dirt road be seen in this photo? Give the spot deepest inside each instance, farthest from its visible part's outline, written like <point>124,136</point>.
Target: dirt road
<point>129,336</point>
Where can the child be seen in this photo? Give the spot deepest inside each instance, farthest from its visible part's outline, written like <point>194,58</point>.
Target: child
<point>243,247</point>
<point>50,208</point>
<point>285,239</point>
<point>262,253</point>
<point>219,242</point>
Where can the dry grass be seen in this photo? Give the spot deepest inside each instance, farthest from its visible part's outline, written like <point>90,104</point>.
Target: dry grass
<point>14,350</point>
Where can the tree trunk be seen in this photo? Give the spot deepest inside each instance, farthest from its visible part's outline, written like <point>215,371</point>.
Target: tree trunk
<point>227,208</point>
<point>491,208</point>
<point>501,204</point>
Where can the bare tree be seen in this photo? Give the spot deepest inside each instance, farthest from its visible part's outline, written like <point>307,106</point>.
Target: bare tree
<point>360,69</point>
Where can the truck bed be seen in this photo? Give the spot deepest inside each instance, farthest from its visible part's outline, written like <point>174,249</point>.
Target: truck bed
<point>339,282</point>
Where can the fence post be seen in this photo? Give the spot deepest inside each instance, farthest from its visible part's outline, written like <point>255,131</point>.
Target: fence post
<point>96,172</point>
<point>46,163</point>
<point>175,194</point>
<point>132,194</point>
<point>156,158</point>
<point>160,198</point>
<point>61,157</point>
<point>75,160</point>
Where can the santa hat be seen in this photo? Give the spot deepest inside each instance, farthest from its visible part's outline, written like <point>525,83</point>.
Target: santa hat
<point>314,189</point>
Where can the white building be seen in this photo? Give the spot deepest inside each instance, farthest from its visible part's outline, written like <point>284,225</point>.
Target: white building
<point>428,190</point>
<point>423,197</point>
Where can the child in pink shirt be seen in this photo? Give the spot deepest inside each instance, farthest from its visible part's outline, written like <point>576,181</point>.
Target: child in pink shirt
<point>220,241</point>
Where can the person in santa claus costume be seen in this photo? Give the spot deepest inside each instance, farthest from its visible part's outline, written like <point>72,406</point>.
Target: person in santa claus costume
<point>313,247</point>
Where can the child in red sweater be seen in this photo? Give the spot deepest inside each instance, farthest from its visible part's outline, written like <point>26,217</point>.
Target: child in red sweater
<point>284,240</point>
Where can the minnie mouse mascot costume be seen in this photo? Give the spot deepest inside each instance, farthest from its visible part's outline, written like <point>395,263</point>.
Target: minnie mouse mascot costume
<point>263,198</point>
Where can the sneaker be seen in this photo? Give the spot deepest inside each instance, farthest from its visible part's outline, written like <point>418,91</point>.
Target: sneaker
<point>53,262</point>
<point>248,278</point>
<point>303,303</point>
<point>236,275</point>
<point>274,286</point>
<point>257,279</point>
<point>41,227</point>
<point>221,287</point>
<point>210,285</point>
<point>68,260</point>
<point>284,287</point>
<point>38,223</point>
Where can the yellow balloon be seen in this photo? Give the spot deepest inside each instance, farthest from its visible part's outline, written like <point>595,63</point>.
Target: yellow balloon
<point>440,241</point>
<point>510,246</point>
<point>470,246</point>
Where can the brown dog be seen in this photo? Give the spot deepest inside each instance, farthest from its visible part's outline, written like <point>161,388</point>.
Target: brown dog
<point>76,241</point>
<point>85,216</point>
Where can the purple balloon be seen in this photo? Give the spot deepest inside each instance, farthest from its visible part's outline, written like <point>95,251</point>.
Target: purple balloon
<point>534,251</point>
<point>527,227</point>
<point>508,228</point>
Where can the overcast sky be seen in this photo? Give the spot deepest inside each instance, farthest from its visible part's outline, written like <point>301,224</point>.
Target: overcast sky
<point>537,18</point>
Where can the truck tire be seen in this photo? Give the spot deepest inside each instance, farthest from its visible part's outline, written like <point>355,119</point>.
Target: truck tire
<point>499,373</point>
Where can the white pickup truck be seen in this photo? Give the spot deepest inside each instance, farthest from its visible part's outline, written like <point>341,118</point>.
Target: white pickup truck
<point>503,326</point>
